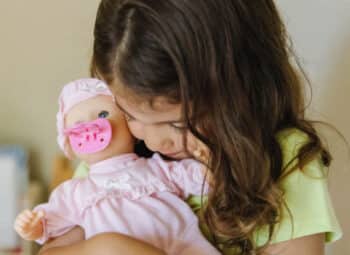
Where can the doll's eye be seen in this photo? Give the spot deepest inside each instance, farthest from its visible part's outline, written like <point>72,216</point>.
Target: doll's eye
<point>103,114</point>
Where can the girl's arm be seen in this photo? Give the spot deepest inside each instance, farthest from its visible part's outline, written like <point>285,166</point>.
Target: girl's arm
<point>307,245</point>
<point>104,244</point>
<point>73,236</point>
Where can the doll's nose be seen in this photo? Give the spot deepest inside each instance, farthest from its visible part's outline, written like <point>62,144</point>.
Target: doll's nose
<point>166,144</point>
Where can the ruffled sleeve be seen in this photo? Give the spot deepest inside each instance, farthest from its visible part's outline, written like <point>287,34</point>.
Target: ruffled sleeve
<point>187,175</point>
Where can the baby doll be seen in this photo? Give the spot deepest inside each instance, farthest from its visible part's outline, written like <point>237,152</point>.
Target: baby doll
<point>123,193</point>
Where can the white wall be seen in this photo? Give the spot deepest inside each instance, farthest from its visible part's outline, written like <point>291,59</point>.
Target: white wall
<point>320,30</point>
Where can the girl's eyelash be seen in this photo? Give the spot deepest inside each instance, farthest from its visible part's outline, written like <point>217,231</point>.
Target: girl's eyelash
<point>178,128</point>
<point>172,125</point>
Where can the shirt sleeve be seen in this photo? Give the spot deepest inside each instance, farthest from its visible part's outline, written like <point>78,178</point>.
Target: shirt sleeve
<point>308,207</point>
<point>60,212</point>
<point>81,171</point>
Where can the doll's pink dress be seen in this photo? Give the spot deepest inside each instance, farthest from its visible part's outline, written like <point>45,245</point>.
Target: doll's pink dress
<point>139,197</point>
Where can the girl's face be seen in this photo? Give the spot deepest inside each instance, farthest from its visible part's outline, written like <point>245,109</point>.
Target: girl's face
<point>160,126</point>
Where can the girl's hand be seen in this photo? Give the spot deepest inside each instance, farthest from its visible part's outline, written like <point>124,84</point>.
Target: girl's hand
<point>28,225</point>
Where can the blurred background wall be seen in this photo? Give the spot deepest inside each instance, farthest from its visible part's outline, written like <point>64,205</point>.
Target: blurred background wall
<point>320,30</point>
<point>45,44</point>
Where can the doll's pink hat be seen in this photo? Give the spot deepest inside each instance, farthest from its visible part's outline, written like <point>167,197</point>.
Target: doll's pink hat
<point>72,94</point>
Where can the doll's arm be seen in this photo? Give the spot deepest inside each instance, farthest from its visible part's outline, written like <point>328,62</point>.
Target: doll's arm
<point>189,176</point>
<point>29,226</point>
<point>61,213</point>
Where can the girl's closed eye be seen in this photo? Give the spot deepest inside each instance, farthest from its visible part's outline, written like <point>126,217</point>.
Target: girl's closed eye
<point>103,114</point>
<point>178,126</point>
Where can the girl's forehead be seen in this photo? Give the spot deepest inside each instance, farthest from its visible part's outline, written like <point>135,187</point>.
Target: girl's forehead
<point>146,109</point>
<point>149,111</point>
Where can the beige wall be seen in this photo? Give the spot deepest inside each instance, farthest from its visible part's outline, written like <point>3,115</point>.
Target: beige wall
<point>45,44</point>
<point>320,30</point>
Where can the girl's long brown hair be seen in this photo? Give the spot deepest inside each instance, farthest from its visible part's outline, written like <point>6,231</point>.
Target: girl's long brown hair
<point>228,63</point>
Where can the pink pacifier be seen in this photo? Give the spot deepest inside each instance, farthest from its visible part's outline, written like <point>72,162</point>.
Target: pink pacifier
<point>90,137</point>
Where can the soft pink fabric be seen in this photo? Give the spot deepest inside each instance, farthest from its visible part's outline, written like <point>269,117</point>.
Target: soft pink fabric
<point>135,196</point>
<point>90,137</point>
<point>72,94</point>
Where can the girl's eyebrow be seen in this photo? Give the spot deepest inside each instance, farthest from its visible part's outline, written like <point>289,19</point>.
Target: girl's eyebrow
<point>156,123</point>
<point>122,109</point>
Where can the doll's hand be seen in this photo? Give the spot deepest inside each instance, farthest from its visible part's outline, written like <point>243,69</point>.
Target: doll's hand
<point>28,225</point>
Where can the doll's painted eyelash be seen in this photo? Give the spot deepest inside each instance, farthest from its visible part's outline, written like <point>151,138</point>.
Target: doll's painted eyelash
<point>103,114</point>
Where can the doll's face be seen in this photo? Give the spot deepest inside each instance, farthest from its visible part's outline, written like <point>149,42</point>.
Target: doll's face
<point>101,107</point>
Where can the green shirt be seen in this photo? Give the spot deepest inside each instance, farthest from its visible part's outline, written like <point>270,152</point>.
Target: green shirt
<point>305,193</point>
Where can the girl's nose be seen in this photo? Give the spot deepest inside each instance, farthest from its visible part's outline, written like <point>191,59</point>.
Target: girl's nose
<point>166,144</point>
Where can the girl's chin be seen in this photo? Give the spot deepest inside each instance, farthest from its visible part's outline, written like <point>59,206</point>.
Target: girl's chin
<point>176,156</point>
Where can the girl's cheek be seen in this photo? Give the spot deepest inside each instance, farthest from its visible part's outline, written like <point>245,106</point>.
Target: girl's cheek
<point>136,129</point>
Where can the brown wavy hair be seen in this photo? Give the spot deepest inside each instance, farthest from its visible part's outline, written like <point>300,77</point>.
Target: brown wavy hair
<point>229,63</point>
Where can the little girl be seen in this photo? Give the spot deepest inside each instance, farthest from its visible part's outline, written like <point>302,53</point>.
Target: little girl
<point>123,193</point>
<point>220,74</point>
